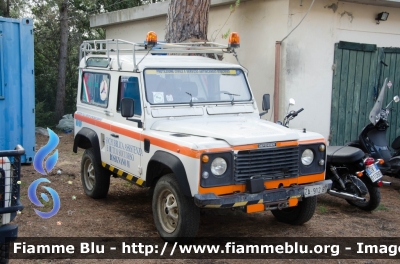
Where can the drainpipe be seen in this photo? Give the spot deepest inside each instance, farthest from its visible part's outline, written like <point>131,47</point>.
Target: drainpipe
<point>277,79</point>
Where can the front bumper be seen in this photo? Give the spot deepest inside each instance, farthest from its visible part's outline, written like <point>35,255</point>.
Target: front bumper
<point>8,233</point>
<point>275,197</point>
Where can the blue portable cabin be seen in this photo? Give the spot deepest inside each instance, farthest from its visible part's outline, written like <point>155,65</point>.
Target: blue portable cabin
<point>17,86</point>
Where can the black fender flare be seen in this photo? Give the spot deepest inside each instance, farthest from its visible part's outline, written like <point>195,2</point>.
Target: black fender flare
<point>174,164</point>
<point>87,138</point>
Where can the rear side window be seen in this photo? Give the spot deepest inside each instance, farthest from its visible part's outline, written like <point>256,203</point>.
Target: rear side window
<point>95,88</point>
<point>129,88</point>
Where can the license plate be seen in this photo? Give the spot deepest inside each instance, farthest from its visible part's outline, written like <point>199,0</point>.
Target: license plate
<point>315,190</point>
<point>373,172</point>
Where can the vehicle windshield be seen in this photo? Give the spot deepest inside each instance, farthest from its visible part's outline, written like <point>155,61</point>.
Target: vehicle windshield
<point>374,114</point>
<point>180,86</point>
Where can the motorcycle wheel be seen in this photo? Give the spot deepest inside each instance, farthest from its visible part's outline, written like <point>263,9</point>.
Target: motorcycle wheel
<point>373,197</point>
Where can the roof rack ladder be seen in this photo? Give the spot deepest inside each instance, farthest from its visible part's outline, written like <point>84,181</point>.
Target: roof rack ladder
<point>108,55</point>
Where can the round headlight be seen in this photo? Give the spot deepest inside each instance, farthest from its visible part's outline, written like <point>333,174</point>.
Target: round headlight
<point>307,157</point>
<point>218,166</point>
<point>321,147</point>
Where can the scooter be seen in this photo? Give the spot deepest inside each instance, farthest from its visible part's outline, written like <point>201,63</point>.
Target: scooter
<point>353,178</point>
<point>372,139</point>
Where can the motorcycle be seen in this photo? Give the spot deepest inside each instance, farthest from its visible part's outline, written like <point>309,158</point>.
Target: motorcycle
<point>372,139</point>
<point>355,179</point>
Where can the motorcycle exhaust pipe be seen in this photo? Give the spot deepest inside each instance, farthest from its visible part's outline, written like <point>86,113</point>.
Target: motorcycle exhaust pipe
<point>346,196</point>
<point>386,183</point>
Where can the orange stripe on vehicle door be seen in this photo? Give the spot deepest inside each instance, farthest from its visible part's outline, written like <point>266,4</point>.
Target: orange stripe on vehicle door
<point>92,121</point>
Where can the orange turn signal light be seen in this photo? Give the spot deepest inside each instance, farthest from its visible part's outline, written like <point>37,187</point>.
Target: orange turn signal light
<point>151,38</point>
<point>359,173</point>
<point>205,159</point>
<point>380,161</point>
<point>234,40</point>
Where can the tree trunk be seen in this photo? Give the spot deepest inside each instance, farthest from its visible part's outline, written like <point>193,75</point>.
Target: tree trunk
<point>187,20</point>
<point>62,64</point>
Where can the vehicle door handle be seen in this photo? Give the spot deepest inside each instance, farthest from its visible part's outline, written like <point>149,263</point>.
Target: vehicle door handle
<point>115,135</point>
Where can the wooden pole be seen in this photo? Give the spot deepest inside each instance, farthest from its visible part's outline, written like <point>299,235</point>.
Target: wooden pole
<point>277,79</point>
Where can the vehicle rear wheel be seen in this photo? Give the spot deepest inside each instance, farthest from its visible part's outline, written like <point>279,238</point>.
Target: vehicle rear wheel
<point>175,215</point>
<point>299,214</point>
<point>95,178</point>
<point>373,197</point>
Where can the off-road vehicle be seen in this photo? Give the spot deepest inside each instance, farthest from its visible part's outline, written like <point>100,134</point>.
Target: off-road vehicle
<point>189,128</point>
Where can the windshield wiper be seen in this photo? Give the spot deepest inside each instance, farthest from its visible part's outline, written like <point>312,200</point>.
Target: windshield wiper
<point>191,99</point>
<point>233,96</point>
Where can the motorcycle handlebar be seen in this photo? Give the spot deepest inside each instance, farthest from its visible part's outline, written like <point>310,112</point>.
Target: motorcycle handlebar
<point>290,116</point>
<point>294,114</point>
<point>301,109</point>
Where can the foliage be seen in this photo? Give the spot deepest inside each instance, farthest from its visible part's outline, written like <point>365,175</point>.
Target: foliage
<point>322,209</point>
<point>46,15</point>
<point>47,42</point>
<point>16,8</point>
<point>43,116</point>
<point>381,207</point>
<point>232,10</point>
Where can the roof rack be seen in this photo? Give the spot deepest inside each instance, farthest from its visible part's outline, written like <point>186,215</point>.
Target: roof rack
<point>118,46</point>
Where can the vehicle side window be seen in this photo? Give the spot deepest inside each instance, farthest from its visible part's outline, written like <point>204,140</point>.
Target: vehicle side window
<point>95,88</point>
<point>129,88</point>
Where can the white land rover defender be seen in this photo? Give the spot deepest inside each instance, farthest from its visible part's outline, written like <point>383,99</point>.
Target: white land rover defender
<point>189,127</point>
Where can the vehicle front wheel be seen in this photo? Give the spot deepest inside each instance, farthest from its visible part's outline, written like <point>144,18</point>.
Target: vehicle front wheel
<point>299,214</point>
<point>175,215</point>
<point>95,178</point>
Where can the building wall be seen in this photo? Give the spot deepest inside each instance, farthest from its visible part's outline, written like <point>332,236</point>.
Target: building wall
<point>307,54</point>
<point>260,24</point>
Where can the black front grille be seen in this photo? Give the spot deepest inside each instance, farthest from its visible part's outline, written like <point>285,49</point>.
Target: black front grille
<point>270,164</point>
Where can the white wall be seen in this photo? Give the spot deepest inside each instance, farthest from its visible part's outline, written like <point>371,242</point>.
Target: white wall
<point>363,28</point>
<point>136,31</point>
<point>260,24</point>
<point>309,52</point>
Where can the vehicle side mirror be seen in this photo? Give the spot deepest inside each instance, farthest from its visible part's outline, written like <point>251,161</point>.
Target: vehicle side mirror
<point>396,99</point>
<point>292,101</point>
<point>266,102</point>
<point>127,106</point>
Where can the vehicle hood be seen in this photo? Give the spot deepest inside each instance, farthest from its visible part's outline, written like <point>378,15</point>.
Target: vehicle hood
<point>234,130</point>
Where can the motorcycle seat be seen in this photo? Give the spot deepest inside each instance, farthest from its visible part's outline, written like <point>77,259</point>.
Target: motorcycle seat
<point>343,154</point>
